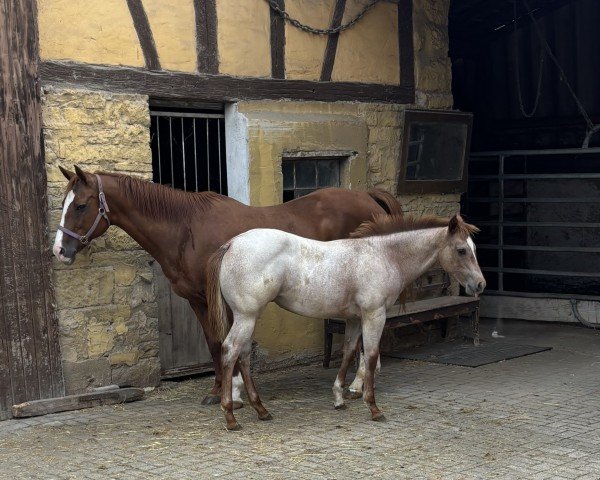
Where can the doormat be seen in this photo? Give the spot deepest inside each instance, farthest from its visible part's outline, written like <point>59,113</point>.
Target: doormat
<point>466,354</point>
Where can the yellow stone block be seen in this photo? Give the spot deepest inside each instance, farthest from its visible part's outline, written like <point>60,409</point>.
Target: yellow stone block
<point>124,358</point>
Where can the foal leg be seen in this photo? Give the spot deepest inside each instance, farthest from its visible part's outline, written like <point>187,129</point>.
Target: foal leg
<point>244,365</point>
<point>372,327</point>
<point>350,343</point>
<point>238,336</point>
<point>356,388</point>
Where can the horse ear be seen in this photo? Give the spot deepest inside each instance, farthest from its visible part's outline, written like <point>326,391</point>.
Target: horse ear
<point>68,175</point>
<point>81,174</point>
<point>454,224</point>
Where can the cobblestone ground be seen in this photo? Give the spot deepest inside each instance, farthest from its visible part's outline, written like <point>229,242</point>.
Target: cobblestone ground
<point>535,417</point>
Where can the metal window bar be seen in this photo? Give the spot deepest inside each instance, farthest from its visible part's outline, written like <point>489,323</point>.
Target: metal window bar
<point>192,154</point>
<point>501,177</point>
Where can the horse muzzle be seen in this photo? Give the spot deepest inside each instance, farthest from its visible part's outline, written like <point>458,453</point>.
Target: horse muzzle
<point>475,288</point>
<point>59,252</point>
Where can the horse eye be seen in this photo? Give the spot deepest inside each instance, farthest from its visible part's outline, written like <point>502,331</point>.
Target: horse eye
<point>462,251</point>
<point>80,207</point>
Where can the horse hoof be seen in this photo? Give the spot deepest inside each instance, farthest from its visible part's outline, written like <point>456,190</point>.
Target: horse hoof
<point>351,394</point>
<point>378,417</point>
<point>341,406</point>
<point>237,404</point>
<point>211,400</point>
<point>266,417</point>
<point>234,427</point>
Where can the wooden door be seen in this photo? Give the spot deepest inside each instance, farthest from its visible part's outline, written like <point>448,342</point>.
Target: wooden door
<point>183,349</point>
<point>188,153</point>
<point>30,364</point>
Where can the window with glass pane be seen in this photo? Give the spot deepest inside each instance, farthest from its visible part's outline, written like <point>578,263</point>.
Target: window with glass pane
<point>435,151</point>
<point>302,176</point>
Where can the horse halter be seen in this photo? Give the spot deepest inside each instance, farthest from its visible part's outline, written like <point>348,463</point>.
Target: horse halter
<point>102,211</point>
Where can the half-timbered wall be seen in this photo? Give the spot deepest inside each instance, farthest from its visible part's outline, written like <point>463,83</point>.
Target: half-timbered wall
<point>284,90</point>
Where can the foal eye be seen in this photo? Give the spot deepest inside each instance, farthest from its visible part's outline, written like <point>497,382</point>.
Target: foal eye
<point>462,251</point>
<point>80,207</point>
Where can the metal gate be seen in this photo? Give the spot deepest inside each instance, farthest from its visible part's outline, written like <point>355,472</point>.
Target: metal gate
<point>540,221</point>
<point>188,152</point>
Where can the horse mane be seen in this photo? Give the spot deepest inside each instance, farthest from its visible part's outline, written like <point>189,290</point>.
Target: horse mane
<point>160,202</point>
<point>383,224</point>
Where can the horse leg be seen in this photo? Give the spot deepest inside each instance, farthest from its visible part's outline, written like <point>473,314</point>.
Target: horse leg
<point>372,327</point>
<point>239,334</point>
<point>244,365</point>
<point>355,390</point>
<point>350,344</point>
<point>214,347</point>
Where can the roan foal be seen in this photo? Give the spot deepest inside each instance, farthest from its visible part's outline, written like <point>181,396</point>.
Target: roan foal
<point>356,279</point>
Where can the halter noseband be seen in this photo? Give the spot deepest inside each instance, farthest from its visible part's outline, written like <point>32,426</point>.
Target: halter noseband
<point>102,211</point>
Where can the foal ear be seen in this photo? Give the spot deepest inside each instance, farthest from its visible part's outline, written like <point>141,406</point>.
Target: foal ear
<point>81,174</point>
<point>454,224</point>
<point>68,175</point>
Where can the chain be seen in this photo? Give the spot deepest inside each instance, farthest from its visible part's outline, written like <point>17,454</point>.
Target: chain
<point>324,31</point>
<point>518,75</point>
<point>591,128</point>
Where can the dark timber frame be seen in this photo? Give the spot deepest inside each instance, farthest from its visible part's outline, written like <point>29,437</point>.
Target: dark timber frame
<point>277,42</point>
<point>206,36</point>
<point>208,85</point>
<point>405,44</point>
<point>332,41</point>
<point>144,33</point>
<point>216,87</point>
<point>30,362</point>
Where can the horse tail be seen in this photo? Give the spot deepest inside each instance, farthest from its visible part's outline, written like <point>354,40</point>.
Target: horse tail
<point>217,308</point>
<point>386,201</point>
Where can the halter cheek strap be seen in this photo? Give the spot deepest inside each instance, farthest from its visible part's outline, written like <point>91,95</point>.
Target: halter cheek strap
<point>102,213</point>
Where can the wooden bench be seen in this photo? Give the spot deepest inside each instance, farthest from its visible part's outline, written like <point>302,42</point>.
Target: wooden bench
<point>418,311</point>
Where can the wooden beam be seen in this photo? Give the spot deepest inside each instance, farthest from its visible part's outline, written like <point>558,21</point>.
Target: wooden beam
<point>144,33</point>
<point>332,41</point>
<point>405,44</point>
<point>215,87</point>
<point>76,402</point>
<point>206,36</point>
<point>277,41</point>
<point>30,363</point>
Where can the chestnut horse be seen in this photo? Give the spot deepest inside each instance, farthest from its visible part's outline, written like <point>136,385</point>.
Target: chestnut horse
<point>181,230</point>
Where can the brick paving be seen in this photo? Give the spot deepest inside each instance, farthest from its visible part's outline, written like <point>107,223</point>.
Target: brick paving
<point>535,417</point>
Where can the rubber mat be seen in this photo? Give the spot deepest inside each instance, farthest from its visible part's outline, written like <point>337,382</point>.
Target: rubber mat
<point>467,354</point>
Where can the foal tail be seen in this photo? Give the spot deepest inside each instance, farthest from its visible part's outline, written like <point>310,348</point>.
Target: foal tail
<point>386,201</point>
<point>217,308</point>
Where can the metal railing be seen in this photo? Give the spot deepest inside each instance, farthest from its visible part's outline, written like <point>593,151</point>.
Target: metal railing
<point>547,166</point>
<point>188,150</point>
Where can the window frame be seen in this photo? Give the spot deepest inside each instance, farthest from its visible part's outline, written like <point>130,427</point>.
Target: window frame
<point>433,186</point>
<point>304,156</point>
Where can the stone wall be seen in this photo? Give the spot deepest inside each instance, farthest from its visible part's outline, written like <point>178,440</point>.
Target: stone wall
<point>106,301</point>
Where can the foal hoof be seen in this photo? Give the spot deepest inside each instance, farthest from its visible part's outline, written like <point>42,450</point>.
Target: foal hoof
<point>351,394</point>
<point>341,406</point>
<point>237,404</point>
<point>211,400</point>
<point>266,417</point>
<point>234,427</point>
<point>378,417</point>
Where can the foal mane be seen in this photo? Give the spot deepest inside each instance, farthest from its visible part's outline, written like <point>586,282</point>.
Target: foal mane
<point>160,202</point>
<point>383,224</point>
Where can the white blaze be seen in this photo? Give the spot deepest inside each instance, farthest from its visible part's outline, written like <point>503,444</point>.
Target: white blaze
<point>471,244</point>
<point>59,234</point>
